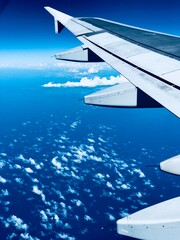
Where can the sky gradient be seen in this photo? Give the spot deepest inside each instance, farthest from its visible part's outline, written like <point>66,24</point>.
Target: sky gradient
<point>27,30</point>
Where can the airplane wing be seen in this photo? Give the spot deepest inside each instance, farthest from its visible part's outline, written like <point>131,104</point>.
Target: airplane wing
<point>149,61</point>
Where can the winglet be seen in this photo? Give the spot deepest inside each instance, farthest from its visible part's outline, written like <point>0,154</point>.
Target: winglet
<point>59,16</point>
<point>60,19</point>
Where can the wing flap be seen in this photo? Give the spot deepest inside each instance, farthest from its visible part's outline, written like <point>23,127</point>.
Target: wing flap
<point>123,95</point>
<point>163,93</point>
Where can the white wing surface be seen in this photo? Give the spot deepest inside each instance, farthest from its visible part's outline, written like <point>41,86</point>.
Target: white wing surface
<point>149,60</point>
<point>158,222</point>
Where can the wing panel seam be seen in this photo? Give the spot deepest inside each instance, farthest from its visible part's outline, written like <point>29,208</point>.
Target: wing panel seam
<point>135,66</point>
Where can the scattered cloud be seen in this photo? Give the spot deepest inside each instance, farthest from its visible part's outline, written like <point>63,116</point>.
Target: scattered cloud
<point>88,218</point>
<point>29,170</point>
<point>2,180</point>
<point>39,192</point>
<point>17,223</point>
<point>56,163</point>
<point>68,180</point>
<point>36,190</point>
<point>93,70</point>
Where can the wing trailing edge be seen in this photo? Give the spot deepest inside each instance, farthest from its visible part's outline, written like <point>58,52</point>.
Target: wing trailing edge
<point>124,95</point>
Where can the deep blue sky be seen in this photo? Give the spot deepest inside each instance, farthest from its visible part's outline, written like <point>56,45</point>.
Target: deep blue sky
<point>25,25</point>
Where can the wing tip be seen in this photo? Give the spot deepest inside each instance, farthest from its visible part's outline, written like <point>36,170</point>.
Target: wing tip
<point>48,8</point>
<point>60,16</point>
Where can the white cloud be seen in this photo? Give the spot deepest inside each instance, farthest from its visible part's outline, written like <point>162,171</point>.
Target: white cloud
<point>100,175</point>
<point>29,170</point>
<point>3,154</point>
<point>93,70</point>
<point>64,210</point>
<point>43,216</point>
<point>56,218</point>
<point>36,190</point>
<point>108,184</point>
<point>2,180</point>
<point>19,180</point>
<point>35,180</point>
<point>38,166</point>
<point>5,192</point>
<point>17,222</point>
<point>12,236</point>
<point>141,174</point>
<point>77,202</point>
<point>95,158</point>
<point>110,217</point>
<point>32,161</point>
<point>65,236</point>
<point>101,140</point>
<point>56,163</point>
<point>89,82</point>
<point>75,124</point>
<point>17,166</point>
<point>21,157</point>
<point>28,237</point>
<point>88,218</point>
<point>139,194</point>
<point>2,164</point>
<point>125,186</point>
<point>91,140</point>
<point>39,192</point>
<point>76,67</point>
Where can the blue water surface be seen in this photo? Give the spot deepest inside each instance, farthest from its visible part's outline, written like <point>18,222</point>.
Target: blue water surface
<point>68,169</point>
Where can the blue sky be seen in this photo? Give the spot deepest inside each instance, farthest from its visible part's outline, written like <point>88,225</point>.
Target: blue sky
<point>27,30</point>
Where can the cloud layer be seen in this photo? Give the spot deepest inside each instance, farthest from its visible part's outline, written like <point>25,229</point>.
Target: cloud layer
<point>89,82</point>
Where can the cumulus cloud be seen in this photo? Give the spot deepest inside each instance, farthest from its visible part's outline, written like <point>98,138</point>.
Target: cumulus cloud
<point>29,170</point>
<point>65,236</point>
<point>2,180</point>
<point>89,82</point>
<point>17,223</point>
<point>36,190</point>
<point>28,237</point>
<point>138,171</point>
<point>43,216</point>
<point>56,163</point>
<point>125,186</point>
<point>93,70</point>
<point>77,202</point>
<point>21,157</point>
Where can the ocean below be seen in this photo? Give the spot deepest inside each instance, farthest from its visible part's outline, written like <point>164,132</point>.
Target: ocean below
<point>67,169</point>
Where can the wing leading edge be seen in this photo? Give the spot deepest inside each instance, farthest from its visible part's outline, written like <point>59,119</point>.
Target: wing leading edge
<point>149,60</point>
